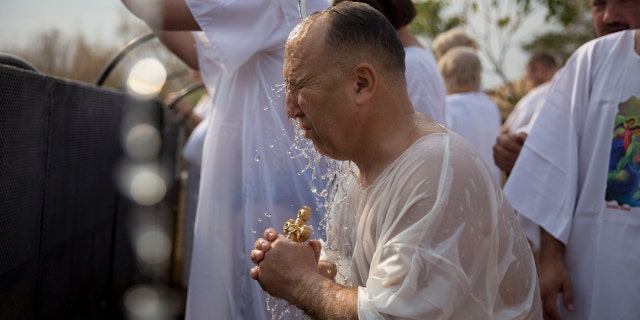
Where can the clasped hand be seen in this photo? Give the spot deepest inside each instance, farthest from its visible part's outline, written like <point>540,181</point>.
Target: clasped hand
<point>282,265</point>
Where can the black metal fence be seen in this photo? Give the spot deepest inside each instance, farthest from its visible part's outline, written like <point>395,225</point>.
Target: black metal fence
<point>65,250</point>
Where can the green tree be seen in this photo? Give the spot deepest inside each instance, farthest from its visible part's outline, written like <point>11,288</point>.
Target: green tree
<point>574,28</point>
<point>431,21</point>
<point>496,23</point>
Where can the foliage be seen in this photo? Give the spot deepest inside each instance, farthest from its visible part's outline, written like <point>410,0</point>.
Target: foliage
<point>574,29</point>
<point>566,12</point>
<point>431,21</point>
<point>495,23</point>
<point>64,56</point>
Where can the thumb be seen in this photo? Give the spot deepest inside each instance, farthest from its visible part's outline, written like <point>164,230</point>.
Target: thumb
<point>317,247</point>
<point>567,294</point>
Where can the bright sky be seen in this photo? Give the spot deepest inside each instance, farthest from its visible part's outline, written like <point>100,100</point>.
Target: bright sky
<point>22,20</point>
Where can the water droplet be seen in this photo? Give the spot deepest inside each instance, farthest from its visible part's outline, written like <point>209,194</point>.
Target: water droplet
<point>266,108</point>
<point>256,158</point>
<point>259,219</point>
<point>254,231</point>
<point>267,214</point>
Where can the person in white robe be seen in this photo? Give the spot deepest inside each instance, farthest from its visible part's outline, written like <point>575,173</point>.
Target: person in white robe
<point>251,177</point>
<point>452,38</point>
<point>189,47</point>
<point>470,112</point>
<point>192,150</point>
<point>418,227</point>
<point>577,178</point>
<point>518,120</point>
<point>608,17</point>
<point>424,82</point>
<point>540,70</point>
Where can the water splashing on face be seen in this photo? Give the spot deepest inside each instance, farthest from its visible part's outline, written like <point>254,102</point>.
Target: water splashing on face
<point>319,175</point>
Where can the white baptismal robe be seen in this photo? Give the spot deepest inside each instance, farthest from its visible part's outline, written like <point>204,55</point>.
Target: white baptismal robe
<point>435,239</point>
<point>192,150</point>
<point>424,83</point>
<point>249,181</point>
<point>526,108</point>
<point>476,118</point>
<point>567,177</point>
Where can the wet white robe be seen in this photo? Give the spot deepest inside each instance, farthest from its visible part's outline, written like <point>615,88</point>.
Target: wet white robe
<point>249,180</point>
<point>571,179</point>
<point>435,239</point>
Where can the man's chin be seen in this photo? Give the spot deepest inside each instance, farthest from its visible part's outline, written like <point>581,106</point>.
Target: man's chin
<point>320,150</point>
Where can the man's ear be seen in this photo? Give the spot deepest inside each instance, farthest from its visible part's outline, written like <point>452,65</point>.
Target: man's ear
<point>366,81</point>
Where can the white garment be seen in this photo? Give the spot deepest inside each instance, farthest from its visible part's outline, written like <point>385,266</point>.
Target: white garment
<point>524,110</point>
<point>567,181</point>
<point>476,118</point>
<point>211,74</point>
<point>204,106</point>
<point>192,153</point>
<point>435,239</point>
<point>209,71</point>
<point>425,84</point>
<point>249,180</point>
<point>190,207</point>
<point>192,150</point>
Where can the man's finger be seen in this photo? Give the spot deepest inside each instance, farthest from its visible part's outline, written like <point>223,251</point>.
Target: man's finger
<point>317,247</point>
<point>567,295</point>
<point>271,234</point>
<point>254,272</point>
<point>262,244</point>
<point>550,306</point>
<point>256,256</point>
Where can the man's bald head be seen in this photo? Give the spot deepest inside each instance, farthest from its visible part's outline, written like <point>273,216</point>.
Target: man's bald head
<point>352,32</point>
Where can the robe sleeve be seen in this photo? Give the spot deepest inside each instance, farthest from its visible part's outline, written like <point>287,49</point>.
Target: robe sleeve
<point>544,182</point>
<point>238,29</point>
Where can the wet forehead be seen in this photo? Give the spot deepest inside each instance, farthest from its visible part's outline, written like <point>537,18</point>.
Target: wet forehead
<point>303,44</point>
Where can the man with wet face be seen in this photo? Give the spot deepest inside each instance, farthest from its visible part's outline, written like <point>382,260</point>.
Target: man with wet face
<point>418,226</point>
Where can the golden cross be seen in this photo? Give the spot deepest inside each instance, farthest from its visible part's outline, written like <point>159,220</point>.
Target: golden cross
<point>297,230</point>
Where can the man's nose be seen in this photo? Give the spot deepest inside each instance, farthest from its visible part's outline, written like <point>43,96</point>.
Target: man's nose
<point>612,13</point>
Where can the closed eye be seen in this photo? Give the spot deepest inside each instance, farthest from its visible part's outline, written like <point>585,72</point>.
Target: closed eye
<point>290,87</point>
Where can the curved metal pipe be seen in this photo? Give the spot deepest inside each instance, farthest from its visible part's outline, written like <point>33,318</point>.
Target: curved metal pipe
<point>123,52</point>
<point>15,61</point>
